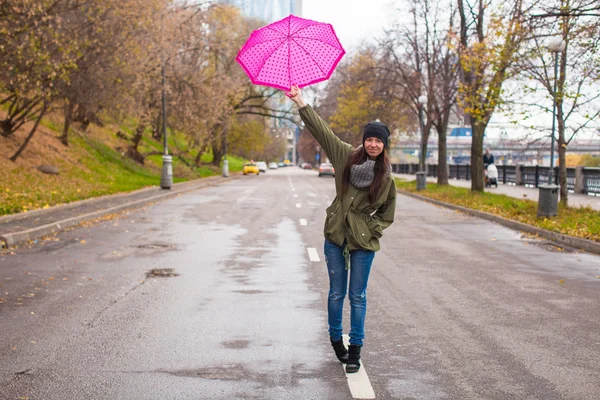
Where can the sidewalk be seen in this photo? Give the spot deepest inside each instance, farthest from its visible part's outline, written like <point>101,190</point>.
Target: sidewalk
<point>519,192</point>
<point>19,228</point>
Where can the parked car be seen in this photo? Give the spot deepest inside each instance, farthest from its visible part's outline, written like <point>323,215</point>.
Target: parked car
<point>280,164</point>
<point>262,166</point>
<point>326,169</point>
<point>250,168</point>
<point>273,165</point>
<point>306,165</point>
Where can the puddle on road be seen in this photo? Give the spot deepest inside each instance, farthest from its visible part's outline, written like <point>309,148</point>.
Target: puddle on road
<point>236,344</point>
<point>161,273</point>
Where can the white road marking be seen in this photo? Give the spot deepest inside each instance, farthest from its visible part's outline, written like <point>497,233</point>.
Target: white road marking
<point>302,222</point>
<point>298,205</point>
<point>313,255</point>
<point>295,195</point>
<point>293,189</point>
<point>358,382</point>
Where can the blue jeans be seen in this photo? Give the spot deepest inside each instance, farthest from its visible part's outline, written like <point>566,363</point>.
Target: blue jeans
<point>360,267</point>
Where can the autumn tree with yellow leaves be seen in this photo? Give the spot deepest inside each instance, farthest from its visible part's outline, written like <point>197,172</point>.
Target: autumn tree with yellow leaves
<point>488,42</point>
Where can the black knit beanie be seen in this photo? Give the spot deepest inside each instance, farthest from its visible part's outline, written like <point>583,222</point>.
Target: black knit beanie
<point>378,130</point>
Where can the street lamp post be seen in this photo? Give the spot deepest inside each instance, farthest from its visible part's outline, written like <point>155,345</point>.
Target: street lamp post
<point>422,173</point>
<point>166,178</point>
<point>548,196</point>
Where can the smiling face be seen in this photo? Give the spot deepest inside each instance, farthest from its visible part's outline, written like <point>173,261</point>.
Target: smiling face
<point>373,147</point>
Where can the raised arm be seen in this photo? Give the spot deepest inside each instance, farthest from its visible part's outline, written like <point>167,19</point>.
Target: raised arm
<point>336,149</point>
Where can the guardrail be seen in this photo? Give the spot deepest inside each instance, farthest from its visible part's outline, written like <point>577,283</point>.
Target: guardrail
<point>579,180</point>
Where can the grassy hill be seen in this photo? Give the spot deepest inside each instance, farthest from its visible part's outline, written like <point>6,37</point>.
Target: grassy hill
<point>93,165</point>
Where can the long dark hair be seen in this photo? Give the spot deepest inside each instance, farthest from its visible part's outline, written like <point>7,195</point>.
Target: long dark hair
<point>382,168</point>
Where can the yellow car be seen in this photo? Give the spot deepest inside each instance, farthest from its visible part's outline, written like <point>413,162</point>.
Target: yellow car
<point>250,168</point>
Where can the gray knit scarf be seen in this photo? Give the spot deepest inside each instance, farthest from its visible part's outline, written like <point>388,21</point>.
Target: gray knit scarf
<point>362,175</point>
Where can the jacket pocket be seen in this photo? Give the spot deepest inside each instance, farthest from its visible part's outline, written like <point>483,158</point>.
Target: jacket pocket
<point>332,215</point>
<point>364,230</point>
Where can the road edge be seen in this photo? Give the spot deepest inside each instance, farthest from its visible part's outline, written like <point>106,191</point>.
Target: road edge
<point>16,238</point>
<point>571,241</point>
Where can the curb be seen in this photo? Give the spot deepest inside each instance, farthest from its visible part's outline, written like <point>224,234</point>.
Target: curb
<point>15,238</point>
<point>571,241</point>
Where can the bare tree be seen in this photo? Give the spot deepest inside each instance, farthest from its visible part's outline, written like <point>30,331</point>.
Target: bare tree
<point>576,98</point>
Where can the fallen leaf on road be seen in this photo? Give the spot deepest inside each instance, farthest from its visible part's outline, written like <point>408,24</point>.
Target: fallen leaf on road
<point>82,242</point>
<point>561,281</point>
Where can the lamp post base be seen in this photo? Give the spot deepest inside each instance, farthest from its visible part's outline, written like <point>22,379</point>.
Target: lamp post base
<point>548,201</point>
<point>166,178</point>
<point>225,170</point>
<point>421,180</point>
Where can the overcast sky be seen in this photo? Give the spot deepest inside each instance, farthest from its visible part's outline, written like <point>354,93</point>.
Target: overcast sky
<point>353,20</point>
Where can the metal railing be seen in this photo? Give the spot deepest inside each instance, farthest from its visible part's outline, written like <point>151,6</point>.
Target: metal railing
<point>582,179</point>
<point>591,181</point>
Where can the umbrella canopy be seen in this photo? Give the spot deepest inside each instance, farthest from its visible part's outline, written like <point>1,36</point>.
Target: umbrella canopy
<point>291,51</point>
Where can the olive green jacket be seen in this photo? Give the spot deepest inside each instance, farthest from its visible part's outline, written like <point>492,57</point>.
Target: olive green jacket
<point>351,216</point>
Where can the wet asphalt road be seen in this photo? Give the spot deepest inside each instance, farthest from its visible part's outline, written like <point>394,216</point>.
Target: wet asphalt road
<point>459,308</point>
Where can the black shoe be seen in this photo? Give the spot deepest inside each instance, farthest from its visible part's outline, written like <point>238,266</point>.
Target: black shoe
<point>353,364</point>
<point>340,350</point>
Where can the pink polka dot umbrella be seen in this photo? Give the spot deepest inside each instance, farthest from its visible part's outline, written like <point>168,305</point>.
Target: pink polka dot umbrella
<point>291,51</point>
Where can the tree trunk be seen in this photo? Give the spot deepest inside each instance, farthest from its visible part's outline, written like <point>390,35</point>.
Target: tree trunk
<point>217,156</point>
<point>157,129</point>
<point>562,159</point>
<point>69,106</point>
<point>218,144</point>
<point>478,129</point>
<point>197,159</point>
<point>442,157</point>
<point>26,142</point>
<point>132,151</point>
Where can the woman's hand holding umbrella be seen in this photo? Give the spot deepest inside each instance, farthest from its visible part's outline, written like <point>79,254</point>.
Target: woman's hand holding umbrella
<point>295,94</point>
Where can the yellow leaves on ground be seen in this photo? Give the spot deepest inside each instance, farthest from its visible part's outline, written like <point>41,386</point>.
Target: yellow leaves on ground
<point>581,222</point>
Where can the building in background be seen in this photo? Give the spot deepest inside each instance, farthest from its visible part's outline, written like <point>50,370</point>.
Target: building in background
<point>270,11</point>
<point>267,10</point>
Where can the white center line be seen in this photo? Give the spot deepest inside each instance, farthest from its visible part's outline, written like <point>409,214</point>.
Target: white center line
<point>302,222</point>
<point>358,382</point>
<point>313,255</point>
<point>298,205</point>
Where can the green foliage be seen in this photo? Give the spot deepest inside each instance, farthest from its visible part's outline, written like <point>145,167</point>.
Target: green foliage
<point>583,222</point>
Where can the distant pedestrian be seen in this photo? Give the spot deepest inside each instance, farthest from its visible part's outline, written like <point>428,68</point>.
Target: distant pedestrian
<point>488,158</point>
<point>364,206</point>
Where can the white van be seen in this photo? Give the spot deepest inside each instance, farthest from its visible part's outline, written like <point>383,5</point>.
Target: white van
<point>262,166</point>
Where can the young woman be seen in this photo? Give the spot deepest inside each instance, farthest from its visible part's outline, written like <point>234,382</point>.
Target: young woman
<point>364,206</point>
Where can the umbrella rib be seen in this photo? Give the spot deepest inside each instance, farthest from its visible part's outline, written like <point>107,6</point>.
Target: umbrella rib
<point>320,41</point>
<point>267,57</point>
<point>307,53</point>
<point>304,27</point>
<point>289,54</point>
<point>264,41</point>
<point>275,30</point>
